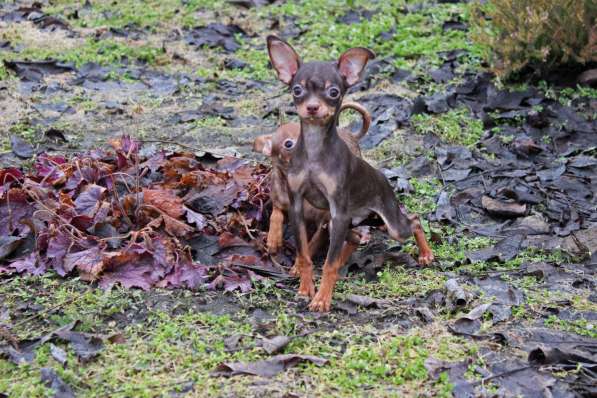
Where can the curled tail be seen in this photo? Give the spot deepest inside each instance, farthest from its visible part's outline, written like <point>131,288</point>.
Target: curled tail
<point>364,114</point>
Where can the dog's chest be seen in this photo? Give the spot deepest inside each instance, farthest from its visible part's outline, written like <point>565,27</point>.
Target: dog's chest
<point>316,185</point>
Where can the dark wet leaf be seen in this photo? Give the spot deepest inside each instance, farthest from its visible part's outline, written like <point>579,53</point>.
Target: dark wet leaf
<point>231,342</point>
<point>266,368</point>
<point>8,244</point>
<point>355,16</point>
<point>470,323</point>
<point>215,35</point>
<point>455,294</point>
<point>25,351</point>
<point>54,382</point>
<point>85,345</point>
<point>250,3</point>
<point>501,291</point>
<point>505,250</point>
<point>425,314</point>
<point>565,357</point>
<point>58,354</point>
<point>20,147</point>
<point>364,301</point>
<point>502,208</point>
<point>275,344</point>
<point>454,24</point>
<point>35,71</point>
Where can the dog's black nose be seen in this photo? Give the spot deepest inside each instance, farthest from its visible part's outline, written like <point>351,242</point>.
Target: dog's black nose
<point>312,108</point>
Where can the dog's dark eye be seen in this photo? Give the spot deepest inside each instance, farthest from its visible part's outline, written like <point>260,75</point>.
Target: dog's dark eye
<point>288,144</point>
<point>333,92</point>
<point>297,90</point>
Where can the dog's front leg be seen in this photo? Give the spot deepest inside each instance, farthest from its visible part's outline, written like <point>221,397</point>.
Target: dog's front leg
<point>334,261</point>
<point>275,235</point>
<point>303,263</point>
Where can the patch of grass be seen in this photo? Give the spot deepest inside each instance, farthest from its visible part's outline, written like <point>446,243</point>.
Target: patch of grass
<point>423,198</point>
<point>395,282</point>
<point>165,349</point>
<point>453,249</point>
<point>24,129</point>
<point>210,121</point>
<point>386,366</point>
<point>579,326</point>
<point>3,72</point>
<point>399,282</point>
<point>455,126</point>
<point>155,15</point>
<point>103,52</point>
<point>417,35</point>
<point>391,150</point>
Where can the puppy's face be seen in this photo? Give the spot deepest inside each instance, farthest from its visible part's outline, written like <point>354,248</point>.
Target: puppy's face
<point>317,90</point>
<point>317,87</point>
<point>280,145</point>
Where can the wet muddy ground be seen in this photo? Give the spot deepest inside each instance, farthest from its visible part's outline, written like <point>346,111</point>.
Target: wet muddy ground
<point>503,175</point>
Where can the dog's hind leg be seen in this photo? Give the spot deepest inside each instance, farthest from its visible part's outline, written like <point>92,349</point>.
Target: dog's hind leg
<point>401,225</point>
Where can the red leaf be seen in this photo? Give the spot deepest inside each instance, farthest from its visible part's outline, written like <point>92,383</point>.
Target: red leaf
<point>129,275</point>
<point>50,169</point>
<point>58,246</point>
<point>164,200</point>
<point>14,208</point>
<point>87,202</point>
<point>186,275</point>
<point>27,264</point>
<point>89,262</point>
<point>175,227</point>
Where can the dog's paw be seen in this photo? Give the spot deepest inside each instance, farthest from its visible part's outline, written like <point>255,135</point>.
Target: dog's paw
<point>321,303</point>
<point>294,271</point>
<point>426,258</point>
<point>306,288</point>
<point>274,243</point>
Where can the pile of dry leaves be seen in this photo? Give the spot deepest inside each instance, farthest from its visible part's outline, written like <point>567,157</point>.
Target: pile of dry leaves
<point>136,218</point>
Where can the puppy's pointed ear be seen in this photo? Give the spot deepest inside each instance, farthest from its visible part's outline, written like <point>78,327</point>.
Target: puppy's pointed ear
<point>284,59</point>
<point>352,63</point>
<point>263,144</point>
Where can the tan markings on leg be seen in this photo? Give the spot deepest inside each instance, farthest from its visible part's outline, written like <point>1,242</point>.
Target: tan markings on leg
<point>323,299</point>
<point>347,250</point>
<point>276,229</point>
<point>425,252</point>
<point>304,265</point>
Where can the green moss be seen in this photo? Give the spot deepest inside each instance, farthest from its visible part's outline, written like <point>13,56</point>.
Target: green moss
<point>455,126</point>
<point>156,15</point>
<point>579,326</point>
<point>423,199</point>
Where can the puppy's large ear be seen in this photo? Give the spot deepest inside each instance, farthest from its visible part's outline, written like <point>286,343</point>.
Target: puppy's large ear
<point>284,59</point>
<point>263,144</point>
<point>352,63</point>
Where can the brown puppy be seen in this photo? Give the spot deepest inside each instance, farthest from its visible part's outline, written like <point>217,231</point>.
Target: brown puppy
<point>279,146</point>
<point>324,172</point>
